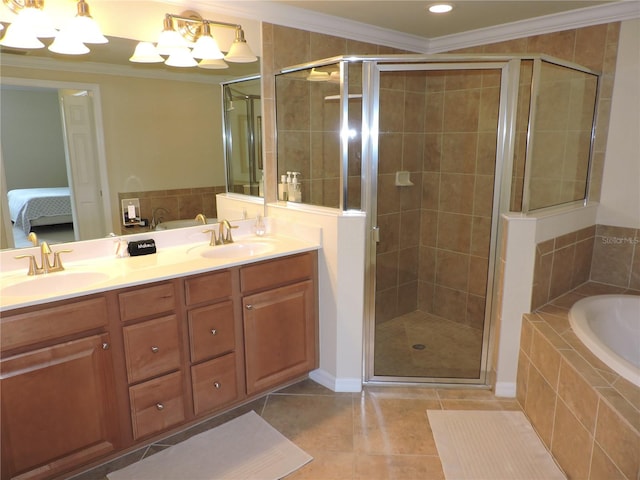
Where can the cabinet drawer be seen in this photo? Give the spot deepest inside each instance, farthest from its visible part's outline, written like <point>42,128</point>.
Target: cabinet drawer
<point>55,322</point>
<point>152,348</point>
<point>156,404</point>
<point>211,331</point>
<point>144,302</point>
<point>214,383</point>
<point>207,288</point>
<point>276,272</point>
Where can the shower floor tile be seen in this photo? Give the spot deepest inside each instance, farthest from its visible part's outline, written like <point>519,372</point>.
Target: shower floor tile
<point>419,344</point>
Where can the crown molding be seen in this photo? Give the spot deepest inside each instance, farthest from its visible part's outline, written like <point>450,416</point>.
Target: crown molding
<point>41,63</point>
<point>596,15</point>
<point>321,23</point>
<point>302,19</point>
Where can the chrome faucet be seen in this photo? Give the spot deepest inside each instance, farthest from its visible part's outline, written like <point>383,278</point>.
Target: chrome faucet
<point>156,216</point>
<point>201,218</point>
<point>45,260</point>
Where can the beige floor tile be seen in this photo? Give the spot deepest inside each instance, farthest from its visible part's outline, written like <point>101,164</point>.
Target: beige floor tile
<point>326,466</point>
<point>393,426</point>
<point>398,467</point>
<point>313,422</point>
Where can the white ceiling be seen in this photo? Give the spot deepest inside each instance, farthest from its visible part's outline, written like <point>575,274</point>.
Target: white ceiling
<point>413,18</point>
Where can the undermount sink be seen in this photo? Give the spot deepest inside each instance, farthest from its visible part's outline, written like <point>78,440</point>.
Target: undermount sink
<point>234,250</point>
<point>57,282</point>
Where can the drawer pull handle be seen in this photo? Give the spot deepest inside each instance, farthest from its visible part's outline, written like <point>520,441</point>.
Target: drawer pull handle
<point>214,331</point>
<point>155,349</point>
<point>217,384</point>
<point>249,307</point>
<point>159,406</point>
<point>105,346</point>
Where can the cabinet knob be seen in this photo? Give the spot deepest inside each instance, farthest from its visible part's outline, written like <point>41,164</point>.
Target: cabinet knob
<point>249,307</point>
<point>155,349</point>
<point>159,406</point>
<point>105,346</point>
<point>214,331</point>
<point>217,384</point>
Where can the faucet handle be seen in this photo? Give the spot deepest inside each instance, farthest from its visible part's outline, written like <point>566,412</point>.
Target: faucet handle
<point>33,266</point>
<point>57,263</point>
<point>214,239</point>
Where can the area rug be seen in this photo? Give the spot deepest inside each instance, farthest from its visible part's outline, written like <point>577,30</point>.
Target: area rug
<point>490,445</point>
<point>244,448</point>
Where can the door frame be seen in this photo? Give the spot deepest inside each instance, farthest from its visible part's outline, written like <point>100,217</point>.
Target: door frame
<point>98,132</point>
<point>510,69</point>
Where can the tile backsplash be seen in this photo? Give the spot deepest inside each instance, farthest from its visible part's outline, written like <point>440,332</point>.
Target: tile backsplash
<point>616,256</point>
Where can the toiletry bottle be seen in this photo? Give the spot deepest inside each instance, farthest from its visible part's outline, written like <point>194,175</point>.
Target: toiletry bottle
<point>297,191</point>
<point>283,188</point>
<point>288,188</point>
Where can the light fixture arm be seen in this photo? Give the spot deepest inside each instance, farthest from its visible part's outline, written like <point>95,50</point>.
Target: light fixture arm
<point>15,5</point>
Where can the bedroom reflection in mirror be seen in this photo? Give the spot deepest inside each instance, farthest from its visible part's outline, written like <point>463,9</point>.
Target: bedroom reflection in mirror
<point>48,151</point>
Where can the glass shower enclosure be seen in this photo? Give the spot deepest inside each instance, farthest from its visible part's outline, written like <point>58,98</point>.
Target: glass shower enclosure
<point>433,149</point>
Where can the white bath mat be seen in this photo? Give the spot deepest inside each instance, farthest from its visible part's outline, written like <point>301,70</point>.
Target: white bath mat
<point>490,445</point>
<point>244,448</point>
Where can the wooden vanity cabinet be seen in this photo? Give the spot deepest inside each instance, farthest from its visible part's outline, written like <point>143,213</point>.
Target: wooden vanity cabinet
<point>58,403</point>
<point>84,379</point>
<point>279,310</point>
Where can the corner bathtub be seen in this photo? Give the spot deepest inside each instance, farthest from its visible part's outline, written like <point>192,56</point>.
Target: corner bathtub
<point>609,325</point>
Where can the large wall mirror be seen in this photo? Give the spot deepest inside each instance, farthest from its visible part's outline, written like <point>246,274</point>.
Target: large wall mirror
<point>111,130</point>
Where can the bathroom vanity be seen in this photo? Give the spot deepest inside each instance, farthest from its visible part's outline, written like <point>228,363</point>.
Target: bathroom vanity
<point>90,376</point>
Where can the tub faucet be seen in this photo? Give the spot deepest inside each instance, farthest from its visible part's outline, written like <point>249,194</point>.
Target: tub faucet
<point>201,218</point>
<point>156,216</point>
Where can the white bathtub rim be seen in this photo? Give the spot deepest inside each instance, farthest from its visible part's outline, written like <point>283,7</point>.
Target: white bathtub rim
<point>577,319</point>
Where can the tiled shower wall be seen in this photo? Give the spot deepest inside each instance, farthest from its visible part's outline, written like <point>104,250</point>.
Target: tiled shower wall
<point>434,249</point>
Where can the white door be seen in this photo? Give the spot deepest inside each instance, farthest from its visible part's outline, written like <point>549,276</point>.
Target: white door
<point>82,164</point>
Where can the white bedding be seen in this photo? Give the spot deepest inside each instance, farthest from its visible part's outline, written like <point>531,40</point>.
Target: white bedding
<point>46,206</point>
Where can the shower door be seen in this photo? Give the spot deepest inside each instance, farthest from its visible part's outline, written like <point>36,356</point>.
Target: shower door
<point>433,210</point>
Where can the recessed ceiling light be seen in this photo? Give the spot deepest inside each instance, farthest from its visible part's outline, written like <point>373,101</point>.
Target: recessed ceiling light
<point>440,8</point>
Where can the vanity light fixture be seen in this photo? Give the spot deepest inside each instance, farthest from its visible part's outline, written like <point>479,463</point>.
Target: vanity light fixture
<point>32,23</point>
<point>440,8</point>
<point>186,38</point>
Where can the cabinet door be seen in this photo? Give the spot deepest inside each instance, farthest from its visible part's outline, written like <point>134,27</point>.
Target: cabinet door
<point>279,332</point>
<point>57,407</point>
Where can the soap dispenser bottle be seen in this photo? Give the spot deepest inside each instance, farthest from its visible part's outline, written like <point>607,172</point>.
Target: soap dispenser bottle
<point>283,188</point>
<point>296,195</point>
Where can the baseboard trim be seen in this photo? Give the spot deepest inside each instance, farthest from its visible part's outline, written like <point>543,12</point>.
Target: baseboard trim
<point>336,384</point>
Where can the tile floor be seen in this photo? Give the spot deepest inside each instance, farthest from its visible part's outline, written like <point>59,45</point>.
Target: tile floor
<point>381,433</point>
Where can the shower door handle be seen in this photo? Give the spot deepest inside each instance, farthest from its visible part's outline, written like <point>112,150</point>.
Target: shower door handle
<point>376,234</point>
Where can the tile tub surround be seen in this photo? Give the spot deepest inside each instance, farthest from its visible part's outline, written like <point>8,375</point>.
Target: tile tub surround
<point>181,203</point>
<point>586,414</point>
<point>616,256</point>
<point>600,253</point>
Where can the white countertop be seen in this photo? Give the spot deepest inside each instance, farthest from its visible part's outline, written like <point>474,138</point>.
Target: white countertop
<point>93,267</point>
